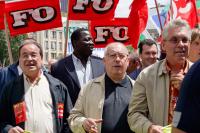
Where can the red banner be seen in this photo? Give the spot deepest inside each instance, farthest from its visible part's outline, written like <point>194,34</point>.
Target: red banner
<point>2,7</point>
<point>138,19</point>
<point>185,9</point>
<point>90,10</point>
<point>106,31</point>
<point>104,27</point>
<point>29,16</point>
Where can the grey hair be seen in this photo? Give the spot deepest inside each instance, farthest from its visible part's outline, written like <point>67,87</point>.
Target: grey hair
<point>176,23</point>
<point>113,45</point>
<point>30,41</point>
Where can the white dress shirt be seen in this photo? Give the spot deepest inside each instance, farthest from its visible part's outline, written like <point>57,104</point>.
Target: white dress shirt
<point>39,107</point>
<point>84,73</point>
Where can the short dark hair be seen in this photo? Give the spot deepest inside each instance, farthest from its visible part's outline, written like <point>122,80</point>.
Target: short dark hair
<point>30,41</point>
<point>76,35</point>
<point>148,42</point>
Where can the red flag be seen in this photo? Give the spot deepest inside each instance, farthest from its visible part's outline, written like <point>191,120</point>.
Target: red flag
<point>108,28</point>
<point>29,16</point>
<point>107,31</point>
<point>138,19</point>
<point>90,10</point>
<point>2,7</point>
<point>185,9</point>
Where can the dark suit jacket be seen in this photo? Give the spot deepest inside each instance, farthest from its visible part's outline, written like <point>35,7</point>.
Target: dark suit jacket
<point>13,93</point>
<point>64,70</point>
<point>7,74</point>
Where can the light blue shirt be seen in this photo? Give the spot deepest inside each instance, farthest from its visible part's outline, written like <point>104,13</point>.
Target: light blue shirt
<point>84,73</point>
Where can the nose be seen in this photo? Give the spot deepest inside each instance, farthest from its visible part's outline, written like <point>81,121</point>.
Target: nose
<point>151,55</point>
<point>180,43</point>
<point>117,58</point>
<point>154,56</point>
<point>29,57</point>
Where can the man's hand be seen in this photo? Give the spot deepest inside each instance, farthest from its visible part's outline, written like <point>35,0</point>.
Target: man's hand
<point>176,80</point>
<point>16,129</point>
<point>155,129</point>
<point>90,125</point>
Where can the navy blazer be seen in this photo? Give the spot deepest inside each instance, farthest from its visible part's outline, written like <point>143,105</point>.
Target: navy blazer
<point>65,71</point>
<point>7,74</point>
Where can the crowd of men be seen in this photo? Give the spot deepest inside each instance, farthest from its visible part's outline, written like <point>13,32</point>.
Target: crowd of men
<point>122,93</point>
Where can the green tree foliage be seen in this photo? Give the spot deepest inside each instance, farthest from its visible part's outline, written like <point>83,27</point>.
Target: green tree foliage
<point>14,42</point>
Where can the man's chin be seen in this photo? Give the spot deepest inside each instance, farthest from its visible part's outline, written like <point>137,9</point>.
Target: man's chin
<point>181,60</point>
<point>30,70</point>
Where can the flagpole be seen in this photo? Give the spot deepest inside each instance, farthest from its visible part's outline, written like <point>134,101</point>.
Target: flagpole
<point>8,41</point>
<point>158,14</point>
<point>67,29</point>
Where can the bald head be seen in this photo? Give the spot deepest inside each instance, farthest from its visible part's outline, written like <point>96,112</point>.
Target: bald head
<point>116,61</point>
<point>116,46</point>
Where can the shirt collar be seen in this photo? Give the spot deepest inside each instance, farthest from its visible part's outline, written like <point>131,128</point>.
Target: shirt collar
<point>184,69</point>
<point>122,83</point>
<point>35,82</point>
<point>75,59</point>
<point>19,70</point>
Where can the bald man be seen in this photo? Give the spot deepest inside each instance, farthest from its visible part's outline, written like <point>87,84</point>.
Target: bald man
<point>102,105</point>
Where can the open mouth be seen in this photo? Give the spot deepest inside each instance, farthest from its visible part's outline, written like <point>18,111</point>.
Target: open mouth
<point>180,52</point>
<point>117,66</point>
<point>30,65</point>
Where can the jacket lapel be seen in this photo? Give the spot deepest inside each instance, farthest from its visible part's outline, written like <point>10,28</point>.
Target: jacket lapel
<point>19,95</point>
<point>53,92</point>
<point>69,66</point>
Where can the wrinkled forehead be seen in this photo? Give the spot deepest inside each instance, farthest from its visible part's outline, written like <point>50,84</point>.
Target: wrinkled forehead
<point>29,47</point>
<point>179,32</point>
<point>117,49</point>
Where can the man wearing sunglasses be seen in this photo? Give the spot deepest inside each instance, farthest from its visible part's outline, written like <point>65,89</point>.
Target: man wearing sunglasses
<point>156,89</point>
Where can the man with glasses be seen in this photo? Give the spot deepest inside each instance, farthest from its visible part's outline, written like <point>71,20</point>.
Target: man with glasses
<point>11,72</point>
<point>156,89</point>
<point>102,106</point>
<point>34,102</point>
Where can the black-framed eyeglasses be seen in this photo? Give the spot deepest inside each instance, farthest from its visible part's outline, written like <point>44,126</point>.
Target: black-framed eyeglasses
<point>176,40</point>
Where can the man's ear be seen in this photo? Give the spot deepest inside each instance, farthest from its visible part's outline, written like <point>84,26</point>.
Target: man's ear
<point>163,46</point>
<point>129,62</point>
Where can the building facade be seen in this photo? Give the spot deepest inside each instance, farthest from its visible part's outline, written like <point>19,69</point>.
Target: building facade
<point>52,42</point>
